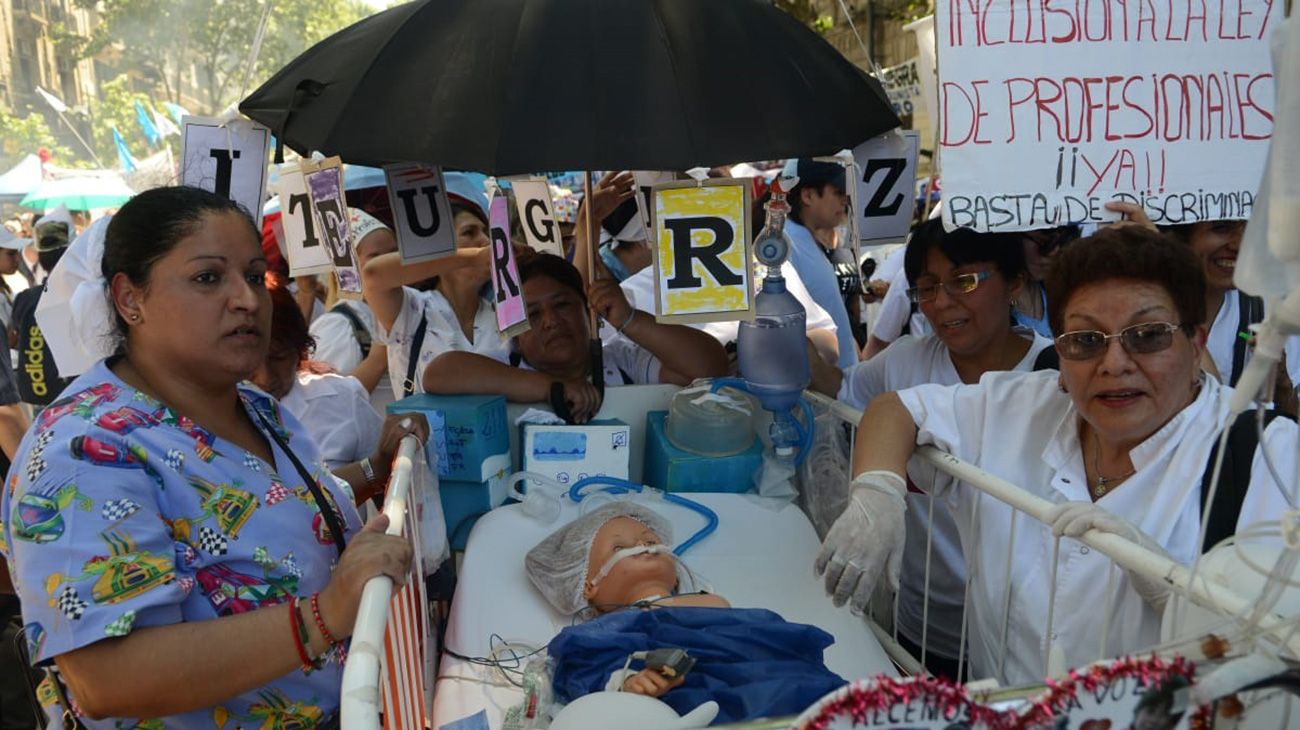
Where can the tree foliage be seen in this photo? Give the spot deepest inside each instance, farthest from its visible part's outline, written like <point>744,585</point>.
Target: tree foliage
<point>196,51</point>
<point>24,135</point>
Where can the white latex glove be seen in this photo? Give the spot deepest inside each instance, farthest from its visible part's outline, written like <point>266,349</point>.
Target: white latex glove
<point>866,540</point>
<point>1072,519</point>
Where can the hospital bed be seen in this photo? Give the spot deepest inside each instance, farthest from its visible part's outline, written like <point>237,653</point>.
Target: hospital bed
<point>760,556</point>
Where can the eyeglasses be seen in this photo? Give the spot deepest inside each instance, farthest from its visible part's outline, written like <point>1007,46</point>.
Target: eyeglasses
<point>960,284</point>
<point>1138,339</point>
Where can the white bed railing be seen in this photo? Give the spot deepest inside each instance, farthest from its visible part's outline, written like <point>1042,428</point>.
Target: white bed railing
<point>1202,590</point>
<point>360,702</point>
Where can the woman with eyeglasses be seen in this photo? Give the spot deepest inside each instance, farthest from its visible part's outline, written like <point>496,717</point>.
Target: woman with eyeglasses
<point>1041,248</point>
<point>1119,439</point>
<point>1229,312</point>
<point>964,284</point>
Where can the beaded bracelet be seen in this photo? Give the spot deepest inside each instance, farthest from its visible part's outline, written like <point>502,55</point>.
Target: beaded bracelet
<point>320,622</point>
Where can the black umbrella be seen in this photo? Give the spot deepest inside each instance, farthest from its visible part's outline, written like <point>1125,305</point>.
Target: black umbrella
<point>518,86</point>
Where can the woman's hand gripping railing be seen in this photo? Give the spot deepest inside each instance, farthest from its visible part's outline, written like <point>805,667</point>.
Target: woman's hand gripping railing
<point>360,701</point>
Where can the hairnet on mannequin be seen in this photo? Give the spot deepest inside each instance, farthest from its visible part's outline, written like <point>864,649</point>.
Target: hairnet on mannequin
<point>558,565</point>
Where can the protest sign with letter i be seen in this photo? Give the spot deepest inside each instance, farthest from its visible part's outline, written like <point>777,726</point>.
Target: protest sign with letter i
<point>227,158</point>
<point>422,216</point>
<point>507,289</point>
<point>325,188</point>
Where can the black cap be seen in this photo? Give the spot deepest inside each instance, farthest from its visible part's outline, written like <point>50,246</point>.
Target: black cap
<point>817,173</point>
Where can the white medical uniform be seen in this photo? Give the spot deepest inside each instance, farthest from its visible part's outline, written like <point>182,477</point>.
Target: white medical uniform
<point>336,411</point>
<point>639,289</point>
<point>442,334</point>
<point>895,311</point>
<point>1021,427</point>
<point>336,344</point>
<point>909,362</point>
<point>626,363</point>
<point>1223,338</point>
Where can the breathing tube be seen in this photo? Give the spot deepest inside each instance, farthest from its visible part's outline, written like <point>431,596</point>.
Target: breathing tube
<point>615,485</point>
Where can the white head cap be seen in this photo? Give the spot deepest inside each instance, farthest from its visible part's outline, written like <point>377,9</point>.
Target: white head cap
<point>363,224</point>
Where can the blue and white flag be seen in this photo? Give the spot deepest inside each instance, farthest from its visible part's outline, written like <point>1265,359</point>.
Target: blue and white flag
<point>123,154</point>
<point>146,124</point>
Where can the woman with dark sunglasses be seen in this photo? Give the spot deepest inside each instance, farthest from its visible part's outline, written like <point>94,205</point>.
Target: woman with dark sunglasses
<point>1119,439</point>
<point>1040,248</point>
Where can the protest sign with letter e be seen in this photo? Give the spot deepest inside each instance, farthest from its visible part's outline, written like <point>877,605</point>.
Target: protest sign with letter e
<point>422,214</point>
<point>885,190</point>
<point>507,290</point>
<point>537,216</point>
<point>1050,113</point>
<point>302,247</point>
<point>226,158</point>
<point>325,188</point>
<point>704,270</point>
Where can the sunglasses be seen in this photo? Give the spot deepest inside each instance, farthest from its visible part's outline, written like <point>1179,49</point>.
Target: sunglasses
<point>961,284</point>
<point>1138,339</point>
<point>1049,240</point>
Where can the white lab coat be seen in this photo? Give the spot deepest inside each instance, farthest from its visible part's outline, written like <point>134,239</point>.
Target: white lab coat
<point>1021,427</point>
<point>1223,338</point>
<point>442,334</point>
<point>336,411</point>
<point>639,289</point>
<point>336,344</point>
<point>896,311</point>
<point>909,362</point>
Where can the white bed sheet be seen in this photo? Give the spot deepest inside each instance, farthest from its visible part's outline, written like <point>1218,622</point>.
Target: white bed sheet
<point>759,557</point>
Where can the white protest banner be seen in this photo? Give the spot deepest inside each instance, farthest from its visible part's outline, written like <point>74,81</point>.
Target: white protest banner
<point>421,212</point>
<point>228,159</point>
<point>903,88</point>
<point>1050,110</point>
<point>703,267</point>
<point>507,290</point>
<point>302,247</point>
<point>886,167</point>
<point>537,216</point>
<point>325,190</point>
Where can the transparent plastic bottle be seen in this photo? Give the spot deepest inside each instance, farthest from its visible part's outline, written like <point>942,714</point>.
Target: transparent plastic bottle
<point>772,349</point>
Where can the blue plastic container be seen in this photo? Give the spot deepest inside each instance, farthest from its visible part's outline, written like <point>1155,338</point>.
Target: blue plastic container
<point>467,434</point>
<point>464,502</point>
<point>675,470</point>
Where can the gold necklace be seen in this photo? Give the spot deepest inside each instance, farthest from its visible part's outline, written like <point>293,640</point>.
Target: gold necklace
<point>1104,484</point>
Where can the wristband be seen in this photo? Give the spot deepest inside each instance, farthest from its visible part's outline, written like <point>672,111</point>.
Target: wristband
<point>299,634</point>
<point>368,470</point>
<point>626,322</point>
<point>320,622</point>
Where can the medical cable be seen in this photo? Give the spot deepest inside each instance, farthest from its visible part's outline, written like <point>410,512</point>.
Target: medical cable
<point>617,486</point>
<point>513,665</point>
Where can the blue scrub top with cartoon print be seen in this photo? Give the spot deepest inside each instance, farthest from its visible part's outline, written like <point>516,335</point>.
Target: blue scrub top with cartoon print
<point>119,513</point>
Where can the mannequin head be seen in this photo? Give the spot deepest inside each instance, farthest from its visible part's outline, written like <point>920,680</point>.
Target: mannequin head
<point>630,578</point>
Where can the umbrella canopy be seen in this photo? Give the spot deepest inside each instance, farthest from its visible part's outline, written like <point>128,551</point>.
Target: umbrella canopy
<point>21,179</point>
<point>517,86</point>
<point>80,193</point>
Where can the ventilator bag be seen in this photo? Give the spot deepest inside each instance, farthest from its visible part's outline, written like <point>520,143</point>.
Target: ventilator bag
<point>37,377</point>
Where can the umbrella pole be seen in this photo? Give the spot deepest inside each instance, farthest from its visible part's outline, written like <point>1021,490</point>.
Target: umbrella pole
<point>597,353</point>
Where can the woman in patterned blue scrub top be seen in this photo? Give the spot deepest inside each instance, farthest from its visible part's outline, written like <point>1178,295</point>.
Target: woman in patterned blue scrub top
<point>181,552</point>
